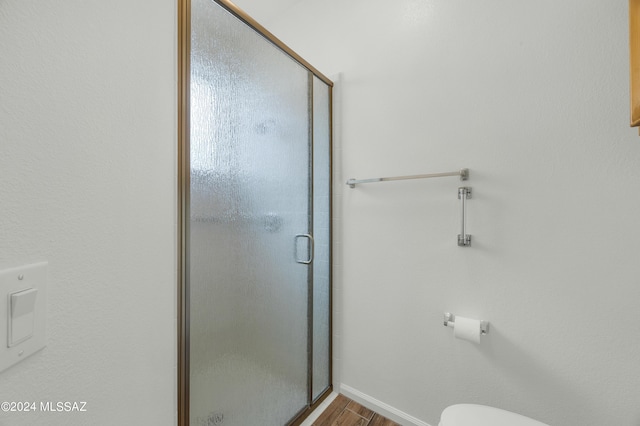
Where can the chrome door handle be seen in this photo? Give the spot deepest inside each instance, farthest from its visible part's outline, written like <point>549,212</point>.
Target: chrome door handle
<point>311,244</point>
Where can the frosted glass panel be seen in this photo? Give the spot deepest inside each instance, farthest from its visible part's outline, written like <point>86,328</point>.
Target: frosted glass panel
<point>321,233</point>
<point>249,198</point>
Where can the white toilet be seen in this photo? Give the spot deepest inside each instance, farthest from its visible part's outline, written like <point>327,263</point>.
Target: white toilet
<point>481,415</point>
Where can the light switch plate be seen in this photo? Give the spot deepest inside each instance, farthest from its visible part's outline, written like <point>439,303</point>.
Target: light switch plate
<point>13,281</point>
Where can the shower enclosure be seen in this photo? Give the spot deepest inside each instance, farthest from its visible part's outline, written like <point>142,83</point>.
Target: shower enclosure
<point>255,332</point>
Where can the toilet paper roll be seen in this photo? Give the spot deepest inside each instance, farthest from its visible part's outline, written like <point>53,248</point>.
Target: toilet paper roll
<point>467,329</point>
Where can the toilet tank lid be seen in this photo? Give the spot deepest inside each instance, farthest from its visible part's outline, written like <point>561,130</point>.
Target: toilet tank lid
<point>482,415</point>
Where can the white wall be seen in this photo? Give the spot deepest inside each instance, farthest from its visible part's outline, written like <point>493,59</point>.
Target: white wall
<point>88,183</point>
<point>533,98</point>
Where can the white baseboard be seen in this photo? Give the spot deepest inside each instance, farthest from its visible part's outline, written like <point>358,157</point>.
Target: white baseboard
<point>380,407</point>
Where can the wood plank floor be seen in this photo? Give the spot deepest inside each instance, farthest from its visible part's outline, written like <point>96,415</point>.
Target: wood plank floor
<point>346,412</point>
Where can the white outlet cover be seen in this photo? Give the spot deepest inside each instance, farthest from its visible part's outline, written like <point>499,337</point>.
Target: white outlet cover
<point>12,281</point>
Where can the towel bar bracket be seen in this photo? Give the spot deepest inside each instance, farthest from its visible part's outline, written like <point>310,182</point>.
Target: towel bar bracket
<point>465,190</point>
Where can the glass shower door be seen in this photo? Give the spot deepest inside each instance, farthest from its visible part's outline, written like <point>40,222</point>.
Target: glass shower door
<point>249,199</point>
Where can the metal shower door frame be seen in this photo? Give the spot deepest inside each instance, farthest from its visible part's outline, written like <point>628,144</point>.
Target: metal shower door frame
<point>183,178</point>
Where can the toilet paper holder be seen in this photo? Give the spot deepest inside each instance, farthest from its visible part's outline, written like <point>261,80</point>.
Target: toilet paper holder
<point>450,321</point>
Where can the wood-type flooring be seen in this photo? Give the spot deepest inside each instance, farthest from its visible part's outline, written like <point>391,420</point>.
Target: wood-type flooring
<point>346,412</point>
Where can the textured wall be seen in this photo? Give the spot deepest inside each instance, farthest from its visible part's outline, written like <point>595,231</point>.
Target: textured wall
<point>88,178</point>
<point>533,98</point>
